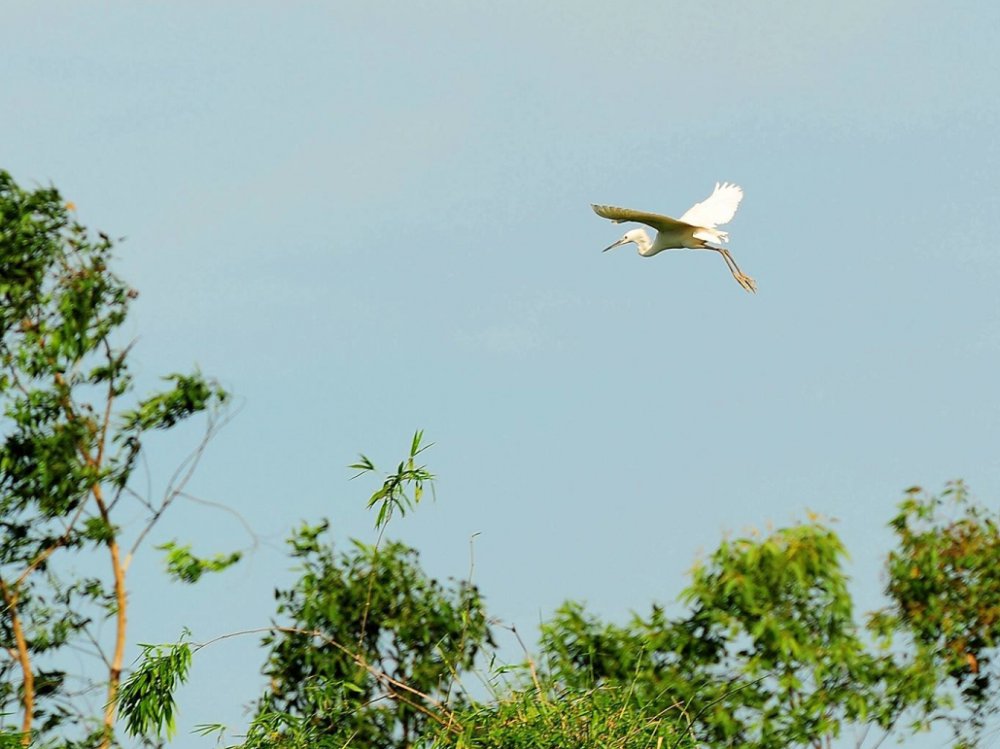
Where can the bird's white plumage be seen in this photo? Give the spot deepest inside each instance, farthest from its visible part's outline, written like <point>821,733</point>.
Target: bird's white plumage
<point>717,209</point>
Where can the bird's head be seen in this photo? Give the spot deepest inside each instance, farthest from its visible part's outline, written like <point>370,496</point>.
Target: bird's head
<point>629,237</point>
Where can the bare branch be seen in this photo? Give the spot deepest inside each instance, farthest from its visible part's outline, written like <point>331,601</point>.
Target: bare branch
<point>182,475</point>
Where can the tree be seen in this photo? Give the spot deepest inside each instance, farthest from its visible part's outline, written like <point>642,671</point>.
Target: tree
<point>72,433</point>
<point>767,652</point>
<point>373,648</point>
<point>372,641</point>
<point>944,588</point>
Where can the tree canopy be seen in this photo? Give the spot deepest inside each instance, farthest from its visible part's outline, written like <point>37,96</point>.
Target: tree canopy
<point>73,430</point>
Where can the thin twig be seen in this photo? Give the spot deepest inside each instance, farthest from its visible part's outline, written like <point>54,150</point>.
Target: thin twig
<point>175,487</point>
<point>97,645</point>
<point>225,508</point>
<point>465,628</point>
<point>371,585</point>
<point>530,661</point>
<point>48,551</point>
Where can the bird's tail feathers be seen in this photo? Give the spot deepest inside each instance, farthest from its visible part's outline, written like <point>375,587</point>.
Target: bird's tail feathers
<point>711,235</point>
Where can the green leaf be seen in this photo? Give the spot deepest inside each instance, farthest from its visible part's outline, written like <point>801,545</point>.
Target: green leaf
<point>185,567</point>
<point>146,699</point>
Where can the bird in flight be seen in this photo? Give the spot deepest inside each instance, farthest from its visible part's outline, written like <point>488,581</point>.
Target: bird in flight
<point>695,230</point>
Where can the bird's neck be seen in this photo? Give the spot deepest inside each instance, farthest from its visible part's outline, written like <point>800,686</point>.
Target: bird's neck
<point>643,242</point>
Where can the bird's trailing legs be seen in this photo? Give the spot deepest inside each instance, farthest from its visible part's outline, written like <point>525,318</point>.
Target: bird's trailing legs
<point>741,278</point>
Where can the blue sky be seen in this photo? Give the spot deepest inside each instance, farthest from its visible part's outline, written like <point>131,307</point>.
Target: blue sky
<point>370,219</point>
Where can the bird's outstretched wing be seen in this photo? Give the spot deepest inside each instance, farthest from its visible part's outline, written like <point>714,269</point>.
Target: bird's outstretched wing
<point>717,209</point>
<point>658,222</point>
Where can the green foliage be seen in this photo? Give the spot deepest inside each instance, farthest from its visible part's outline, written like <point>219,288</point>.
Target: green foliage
<point>190,395</point>
<point>602,718</point>
<point>70,437</point>
<point>944,584</point>
<point>372,642</point>
<point>782,607</point>
<point>58,298</point>
<point>279,730</point>
<point>184,566</point>
<point>401,490</point>
<point>147,696</point>
<point>10,739</point>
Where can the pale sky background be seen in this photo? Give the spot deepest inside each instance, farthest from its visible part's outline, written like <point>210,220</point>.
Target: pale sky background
<point>365,218</point>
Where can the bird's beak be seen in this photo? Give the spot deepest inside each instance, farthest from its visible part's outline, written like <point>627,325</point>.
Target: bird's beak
<point>611,247</point>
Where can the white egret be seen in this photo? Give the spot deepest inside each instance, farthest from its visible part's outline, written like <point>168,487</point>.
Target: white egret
<point>693,231</point>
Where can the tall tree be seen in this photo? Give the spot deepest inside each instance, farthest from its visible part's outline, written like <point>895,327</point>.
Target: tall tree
<point>72,432</point>
<point>369,650</point>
